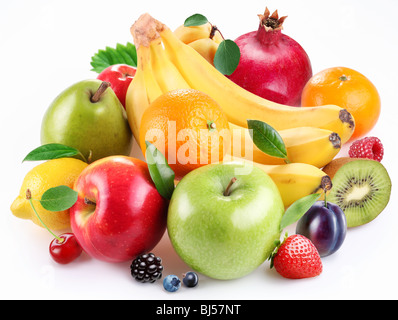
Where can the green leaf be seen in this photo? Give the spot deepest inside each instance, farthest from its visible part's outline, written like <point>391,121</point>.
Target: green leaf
<point>297,209</point>
<point>51,151</point>
<point>227,57</point>
<point>161,173</point>
<point>110,56</point>
<point>267,139</point>
<point>277,244</point>
<point>195,20</point>
<point>58,199</point>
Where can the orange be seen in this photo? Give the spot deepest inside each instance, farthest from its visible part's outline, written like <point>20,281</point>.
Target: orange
<point>188,127</point>
<point>348,89</point>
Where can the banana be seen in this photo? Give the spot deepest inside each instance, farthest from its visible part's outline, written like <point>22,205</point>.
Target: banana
<point>136,97</point>
<point>144,88</point>
<point>309,145</point>
<point>166,74</point>
<point>240,105</point>
<point>294,180</point>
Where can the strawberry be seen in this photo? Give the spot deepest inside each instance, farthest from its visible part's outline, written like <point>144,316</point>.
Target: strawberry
<point>296,258</point>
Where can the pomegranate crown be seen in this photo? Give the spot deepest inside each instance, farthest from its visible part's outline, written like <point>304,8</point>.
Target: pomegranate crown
<point>271,22</point>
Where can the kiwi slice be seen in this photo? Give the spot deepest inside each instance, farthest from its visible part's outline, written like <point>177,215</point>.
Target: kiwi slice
<point>361,188</point>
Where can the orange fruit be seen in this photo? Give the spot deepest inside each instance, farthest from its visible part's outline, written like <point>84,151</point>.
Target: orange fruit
<point>348,89</point>
<point>188,127</point>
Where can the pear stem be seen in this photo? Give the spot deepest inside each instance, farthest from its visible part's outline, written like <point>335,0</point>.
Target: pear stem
<point>227,191</point>
<point>97,95</point>
<point>213,31</point>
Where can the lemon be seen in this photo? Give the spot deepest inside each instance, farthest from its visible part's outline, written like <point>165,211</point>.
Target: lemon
<point>46,175</point>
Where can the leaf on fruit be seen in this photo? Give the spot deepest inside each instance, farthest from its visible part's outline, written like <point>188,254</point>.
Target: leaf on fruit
<point>227,57</point>
<point>110,56</point>
<point>58,199</point>
<point>161,173</point>
<point>195,20</point>
<point>51,151</point>
<point>267,139</point>
<point>297,209</point>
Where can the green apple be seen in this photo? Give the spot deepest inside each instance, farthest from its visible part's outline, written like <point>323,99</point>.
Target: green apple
<point>223,219</point>
<point>88,116</point>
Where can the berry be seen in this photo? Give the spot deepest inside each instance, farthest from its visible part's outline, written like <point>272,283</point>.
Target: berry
<point>171,283</point>
<point>190,279</point>
<point>297,258</point>
<point>65,248</point>
<point>368,147</point>
<point>146,268</point>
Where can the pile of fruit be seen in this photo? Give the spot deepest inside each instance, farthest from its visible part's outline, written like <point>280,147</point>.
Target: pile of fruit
<point>240,141</point>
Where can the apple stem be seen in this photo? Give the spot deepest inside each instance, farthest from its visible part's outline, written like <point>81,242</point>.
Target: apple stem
<point>88,201</point>
<point>227,191</point>
<point>97,95</point>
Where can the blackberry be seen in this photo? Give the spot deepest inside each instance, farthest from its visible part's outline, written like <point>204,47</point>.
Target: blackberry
<point>146,268</point>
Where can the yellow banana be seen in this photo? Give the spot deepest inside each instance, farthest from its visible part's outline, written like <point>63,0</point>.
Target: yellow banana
<point>294,180</point>
<point>144,88</point>
<point>240,105</point>
<point>311,145</point>
<point>303,144</point>
<point>165,72</point>
<point>136,97</point>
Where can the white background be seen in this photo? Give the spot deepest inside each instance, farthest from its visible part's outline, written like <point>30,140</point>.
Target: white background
<point>45,46</point>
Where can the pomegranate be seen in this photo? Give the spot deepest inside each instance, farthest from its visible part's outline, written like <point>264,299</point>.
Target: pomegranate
<point>272,65</point>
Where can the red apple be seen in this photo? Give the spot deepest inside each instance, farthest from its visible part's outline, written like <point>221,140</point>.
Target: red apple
<point>120,77</point>
<point>119,214</point>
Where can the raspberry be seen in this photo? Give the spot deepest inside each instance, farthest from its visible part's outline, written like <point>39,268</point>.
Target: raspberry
<point>369,147</point>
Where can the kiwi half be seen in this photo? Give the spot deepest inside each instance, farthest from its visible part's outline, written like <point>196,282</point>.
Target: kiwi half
<point>361,188</point>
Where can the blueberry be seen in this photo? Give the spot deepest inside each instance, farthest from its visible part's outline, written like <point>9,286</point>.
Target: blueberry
<point>171,283</point>
<point>190,279</point>
<point>325,226</point>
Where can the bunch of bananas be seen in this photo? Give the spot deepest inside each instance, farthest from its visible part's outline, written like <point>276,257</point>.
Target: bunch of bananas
<point>312,136</point>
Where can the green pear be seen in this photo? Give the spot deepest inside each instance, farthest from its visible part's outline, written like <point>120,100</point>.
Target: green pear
<point>88,116</point>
